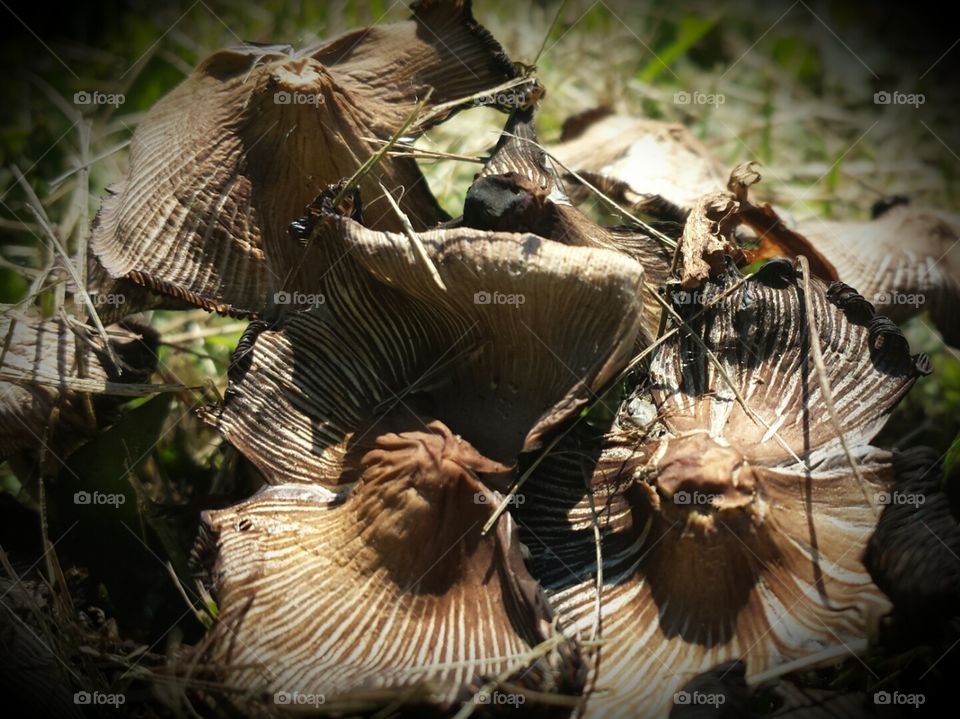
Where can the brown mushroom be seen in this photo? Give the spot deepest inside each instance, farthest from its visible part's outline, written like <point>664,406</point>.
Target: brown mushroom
<point>222,164</point>
<point>726,533</point>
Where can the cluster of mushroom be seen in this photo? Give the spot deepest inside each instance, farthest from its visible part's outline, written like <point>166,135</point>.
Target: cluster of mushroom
<point>510,458</point>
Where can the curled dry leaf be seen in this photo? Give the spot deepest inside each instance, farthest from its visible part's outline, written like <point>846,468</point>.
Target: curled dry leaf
<point>521,339</point>
<point>37,408</point>
<point>724,537</point>
<point>221,165</point>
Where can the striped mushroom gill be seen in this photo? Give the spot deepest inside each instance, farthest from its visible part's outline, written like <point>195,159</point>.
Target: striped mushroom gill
<point>55,388</point>
<point>388,417</point>
<point>223,163</point>
<point>725,533</point>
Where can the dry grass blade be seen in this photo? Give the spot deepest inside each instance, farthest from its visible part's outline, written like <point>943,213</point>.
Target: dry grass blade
<point>414,239</point>
<point>821,371</point>
<point>91,385</point>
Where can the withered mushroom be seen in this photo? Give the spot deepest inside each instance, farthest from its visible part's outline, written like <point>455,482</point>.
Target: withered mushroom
<point>221,165</point>
<point>726,533</point>
<point>391,583</point>
<point>653,166</point>
<point>905,261</point>
<point>52,398</point>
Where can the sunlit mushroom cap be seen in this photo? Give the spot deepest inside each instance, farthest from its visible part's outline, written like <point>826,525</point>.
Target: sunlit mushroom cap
<point>519,340</point>
<point>48,399</point>
<point>393,587</point>
<point>725,535</point>
<point>222,164</point>
<point>905,262</point>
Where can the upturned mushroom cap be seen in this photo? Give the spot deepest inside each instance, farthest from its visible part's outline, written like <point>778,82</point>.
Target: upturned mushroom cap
<point>393,587</point>
<point>904,262</point>
<point>41,400</point>
<point>639,161</point>
<point>222,164</point>
<point>717,544</point>
<point>519,340</point>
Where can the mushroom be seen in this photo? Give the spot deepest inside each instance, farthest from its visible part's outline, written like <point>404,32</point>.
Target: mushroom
<point>521,338</point>
<point>653,166</point>
<point>725,533</point>
<point>905,261</point>
<point>367,566</point>
<point>54,397</point>
<point>518,191</point>
<point>221,165</point>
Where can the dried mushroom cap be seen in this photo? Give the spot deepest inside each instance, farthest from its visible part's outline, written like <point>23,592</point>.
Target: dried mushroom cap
<point>222,164</point>
<point>519,340</point>
<point>40,403</point>
<point>717,544</point>
<point>393,587</point>
<point>906,261</point>
<point>518,191</point>
<point>913,554</point>
<point>643,159</point>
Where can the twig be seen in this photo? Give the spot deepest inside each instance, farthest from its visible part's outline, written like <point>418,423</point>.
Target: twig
<point>414,239</point>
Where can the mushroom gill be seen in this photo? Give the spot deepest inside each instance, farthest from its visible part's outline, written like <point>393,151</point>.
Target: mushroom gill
<point>53,395</point>
<point>221,165</point>
<point>725,535</point>
<point>905,261</point>
<point>518,341</point>
<point>392,587</point>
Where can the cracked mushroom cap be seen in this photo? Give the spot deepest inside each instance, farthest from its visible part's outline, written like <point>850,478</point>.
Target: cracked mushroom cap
<point>392,587</point>
<point>223,163</point>
<point>52,395</point>
<point>905,261</point>
<point>717,543</point>
<point>519,340</point>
